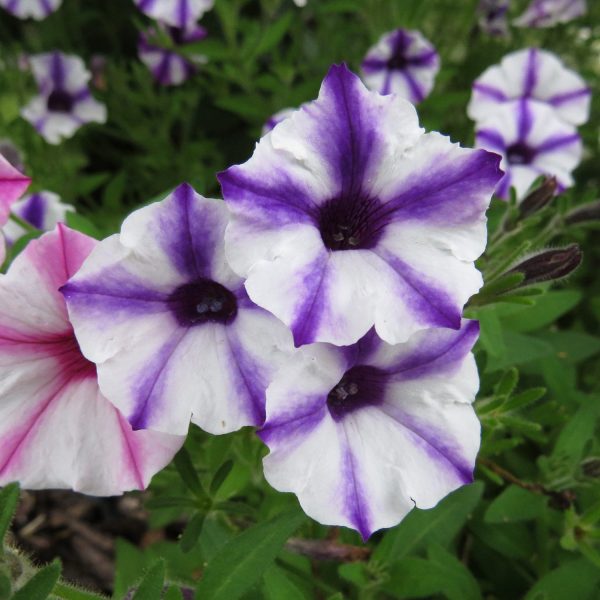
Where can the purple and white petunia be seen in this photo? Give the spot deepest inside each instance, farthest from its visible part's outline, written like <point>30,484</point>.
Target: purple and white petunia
<point>547,13</point>
<point>56,428</point>
<point>31,9</point>
<point>168,66</point>
<point>364,433</point>
<point>275,119</point>
<point>532,141</point>
<point>42,210</point>
<point>493,17</point>
<point>402,62</point>
<point>64,103</point>
<point>171,326</point>
<point>182,14</point>
<point>536,74</point>
<point>349,216</point>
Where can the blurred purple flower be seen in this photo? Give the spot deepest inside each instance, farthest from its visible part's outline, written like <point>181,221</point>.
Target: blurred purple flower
<point>493,17</point>
<point>42,210</point>
<point>532,141</point>
<point>182,14</point>
<point>167,64</point>
<point>536,74</point>
<point>547,13</point>
<point>64,103</point>
<point>404,63</point>
<point>34,9</point>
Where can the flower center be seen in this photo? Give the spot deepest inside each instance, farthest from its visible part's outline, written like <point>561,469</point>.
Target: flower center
<point>520,154</point>
<point>350,223</point>
<point>359,387</point>
<point>201,302</point>
<point>398,61</point>
<point>60,101</point>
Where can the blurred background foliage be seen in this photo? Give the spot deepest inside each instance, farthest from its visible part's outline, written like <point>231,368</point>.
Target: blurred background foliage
<point>530,525</point>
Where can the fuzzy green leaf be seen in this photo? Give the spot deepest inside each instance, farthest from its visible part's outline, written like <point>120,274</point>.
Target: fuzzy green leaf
<point>9,497</point>
<point>40,586</point>
<point>240,563</point>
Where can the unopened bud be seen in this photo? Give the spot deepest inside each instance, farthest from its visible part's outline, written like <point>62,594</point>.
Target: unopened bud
<point>549,265</point>
<point>539,198</point>
<point>590,467</point>
<point>586,212</point>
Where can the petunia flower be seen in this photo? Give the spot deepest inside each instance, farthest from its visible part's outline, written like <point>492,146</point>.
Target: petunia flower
<point>349,216</point>
<point>547,13</point>
<point>170,325</point>
<point>275,119</point>
<point>492,17</point>
<point>12,186</point>
<point>64,103</point>
<point>536,74</point>
<point>42,210</point>
<point>403,62</point>
<point>167,64</point>
<point>532,141</point>
<point>56,428</point>
<point>362,434</point>
<point>34,9</point>
<point>182,14</point>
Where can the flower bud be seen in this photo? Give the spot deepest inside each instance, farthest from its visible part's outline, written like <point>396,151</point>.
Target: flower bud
<point>539,198</point>
<point>591,467</point>
<point>549,265</point>
<point>586,212</point>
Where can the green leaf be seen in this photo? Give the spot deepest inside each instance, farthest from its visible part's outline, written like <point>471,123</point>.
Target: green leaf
<point>67,592</point>
<point>572,346</point>
<point>40,586</point>
<point>520,348</point>
<point>277,585</point>
<point>441,573</point>
<point>5,586</point>
<point>151,586</point>
<point>171,502</point>
<point>273,35</point>
<point>512,540</point>
<point>491,331</point>
<point>247,108</point>
<point>188,474</point>
<point>519,401</point>
<point>240,563</point>
<point>547,309</point>
<point>130,564</point>
<point>220,476</point>
<point>515,504</point>
<point>577,579</point>
<point>9,498</point>
<point>83,224</point>
<point>508,382</point>
<point>423,527</point>
<point>192,532</point>
<point>579,430</point>
<point>173,593</point>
